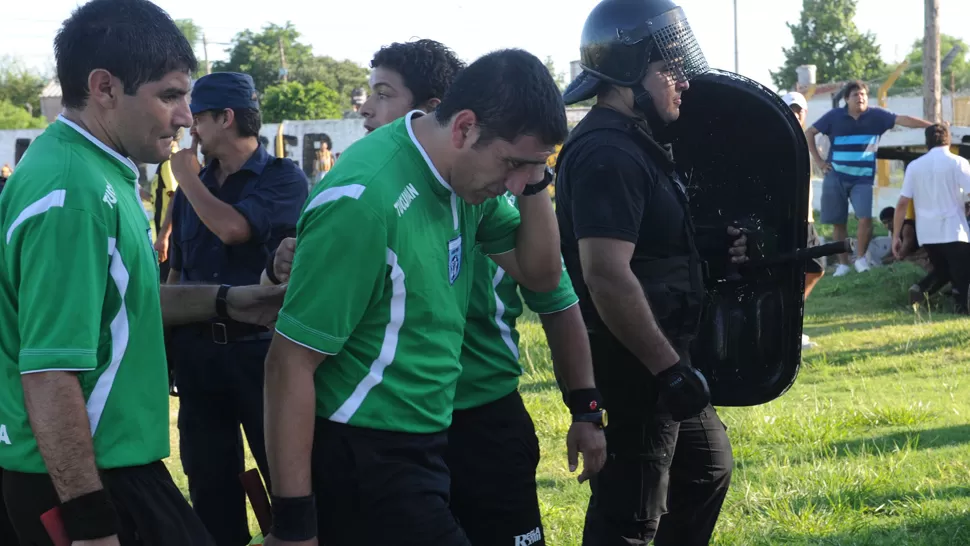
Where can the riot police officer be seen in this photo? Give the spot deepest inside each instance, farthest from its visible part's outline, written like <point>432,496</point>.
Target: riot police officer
<point>628,242</point>
<point>226,220</point>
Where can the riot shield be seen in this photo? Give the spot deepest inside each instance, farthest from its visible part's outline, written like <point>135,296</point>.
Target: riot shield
<point>746,161</point>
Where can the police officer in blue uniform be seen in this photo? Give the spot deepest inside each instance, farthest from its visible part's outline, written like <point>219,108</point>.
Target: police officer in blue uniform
<point>226,218</point>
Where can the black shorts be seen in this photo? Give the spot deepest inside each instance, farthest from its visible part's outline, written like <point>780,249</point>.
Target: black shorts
<point>151,509</point>
<point>816,265</point>
<point>381,487</point>
<point>492,454</point>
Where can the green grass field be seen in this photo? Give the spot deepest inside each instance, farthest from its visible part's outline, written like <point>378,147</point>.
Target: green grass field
<point>870,447</point>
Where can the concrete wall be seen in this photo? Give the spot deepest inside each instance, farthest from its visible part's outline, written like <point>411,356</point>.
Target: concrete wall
<point>341,132</point>
<point>909,106</point>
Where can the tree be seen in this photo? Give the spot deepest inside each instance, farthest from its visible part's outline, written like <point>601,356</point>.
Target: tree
<point>558,77</point>
<point>20,86</point>
<point>13,116</point>
<point>193,33</point>
<point>341,76</point>
<point>295,101</point>
<point>259,56</point>
<point>827,37</point>
<point>912,77</point>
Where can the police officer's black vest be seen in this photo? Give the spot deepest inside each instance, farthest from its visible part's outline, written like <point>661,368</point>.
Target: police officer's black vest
<point>674,286</point>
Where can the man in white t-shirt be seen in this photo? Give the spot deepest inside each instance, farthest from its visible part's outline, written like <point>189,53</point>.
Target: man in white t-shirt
<point>815,268</point>
<point>938,183</point>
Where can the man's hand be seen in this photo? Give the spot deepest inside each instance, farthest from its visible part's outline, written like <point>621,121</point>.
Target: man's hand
<point>897,247</point>
<point>826,167</point>
<point>255,304</point>
<point>739,248</point>
<point>588,439</point>
<point>273,541</point>
<point>185,163</point>
<point>106,541</point>
<point>283,262</point>
<point>683,390</point>
<point>161,246</point>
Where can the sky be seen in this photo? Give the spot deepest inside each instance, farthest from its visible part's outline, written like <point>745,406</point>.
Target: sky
<point>352,30</point>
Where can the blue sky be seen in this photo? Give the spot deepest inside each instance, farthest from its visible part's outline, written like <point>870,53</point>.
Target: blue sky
<point>354,30</point>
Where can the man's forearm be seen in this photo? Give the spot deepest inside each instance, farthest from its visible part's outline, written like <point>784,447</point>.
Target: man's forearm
<point>289,417</point>
<point>569,345</point>
<point>623,306</point>
<point>913,123</point>
<point>898,217</point>
<point>185,304</point>
<point>59,420</point>
<point>166,228</point>
<point>537,244</point>
<point>813,149</point>
<point>221,218</point>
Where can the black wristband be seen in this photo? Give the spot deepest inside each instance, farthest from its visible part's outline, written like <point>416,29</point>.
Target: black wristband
<point>270,274</point>
<point>221,310</point>
<point>532,189</point>
<point>294,518</point>
<point>90,516</point>
<point>584,401</point>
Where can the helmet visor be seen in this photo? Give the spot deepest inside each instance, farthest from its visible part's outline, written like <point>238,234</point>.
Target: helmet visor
<point>672,40</point>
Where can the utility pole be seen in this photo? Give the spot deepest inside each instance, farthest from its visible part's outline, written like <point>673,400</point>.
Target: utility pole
<point>736,64</point>
<point>932,86</point>
<point>205,52</point>
<point>283,71</point>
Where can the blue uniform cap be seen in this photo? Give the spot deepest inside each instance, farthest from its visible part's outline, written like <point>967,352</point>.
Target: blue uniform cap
<point>222,90</point>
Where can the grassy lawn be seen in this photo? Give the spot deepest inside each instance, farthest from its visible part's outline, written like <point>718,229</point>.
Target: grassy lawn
<point>870,447</point>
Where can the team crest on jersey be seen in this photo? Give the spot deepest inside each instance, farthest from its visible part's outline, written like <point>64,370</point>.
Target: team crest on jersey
<point>454,259</point>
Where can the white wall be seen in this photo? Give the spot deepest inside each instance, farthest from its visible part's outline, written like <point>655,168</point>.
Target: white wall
<point>341,132</point>
<point>908,106</point>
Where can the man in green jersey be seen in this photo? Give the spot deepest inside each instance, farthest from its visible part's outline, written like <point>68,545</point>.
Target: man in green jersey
<point>492,450</point>
<point>83,379</point>
<point>391,233</point>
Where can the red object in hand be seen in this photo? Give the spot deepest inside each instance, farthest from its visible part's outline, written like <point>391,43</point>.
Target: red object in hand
<point>55,527</point>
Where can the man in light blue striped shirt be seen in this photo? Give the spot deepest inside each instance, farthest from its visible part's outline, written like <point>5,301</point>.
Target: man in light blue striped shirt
<point>850,168</point>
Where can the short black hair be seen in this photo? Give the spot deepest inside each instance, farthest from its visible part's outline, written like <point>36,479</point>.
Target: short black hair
<point>427,67</point>
<point>854,85</point>
<point>134,40</point>
<point>511,93</point>
<point>248,121</point>
<point>886,214</point>
<point>937,135</point>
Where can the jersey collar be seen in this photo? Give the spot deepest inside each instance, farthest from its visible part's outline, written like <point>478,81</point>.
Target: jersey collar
<point>424,154</point>
<point>120,158</point>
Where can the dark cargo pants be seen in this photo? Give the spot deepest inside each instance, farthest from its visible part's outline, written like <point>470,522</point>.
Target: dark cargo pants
<point>220,387</point>
<point>663,481</point>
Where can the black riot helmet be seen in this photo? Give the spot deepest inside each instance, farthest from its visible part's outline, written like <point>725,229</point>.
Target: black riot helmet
<point>622,37</point>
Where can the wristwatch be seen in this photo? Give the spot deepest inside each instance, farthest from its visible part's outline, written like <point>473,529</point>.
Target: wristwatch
<point>598,418</point>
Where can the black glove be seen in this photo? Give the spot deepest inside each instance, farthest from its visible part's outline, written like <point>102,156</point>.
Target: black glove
<point>683,390</point>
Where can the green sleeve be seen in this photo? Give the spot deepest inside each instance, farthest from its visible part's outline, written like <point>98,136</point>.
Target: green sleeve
<point>560,299</point>
<point>63,273</point>
<point>499,226</point>
<point>339,270</point>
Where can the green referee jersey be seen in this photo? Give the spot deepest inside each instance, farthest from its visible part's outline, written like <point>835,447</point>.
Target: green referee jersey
<point>79,292</point>
<point>381,280</point>
<point>490,353</point>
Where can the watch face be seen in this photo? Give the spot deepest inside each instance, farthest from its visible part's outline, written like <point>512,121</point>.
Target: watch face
<point>603,423</point>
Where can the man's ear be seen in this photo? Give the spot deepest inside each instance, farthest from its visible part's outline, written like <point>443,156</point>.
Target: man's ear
<point>429,105</point>
<point>228,116</point>
<point>104,89</point>
<point>464,129</point>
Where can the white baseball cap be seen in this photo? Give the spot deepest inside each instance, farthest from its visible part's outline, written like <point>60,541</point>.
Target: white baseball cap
<point>795,98</point>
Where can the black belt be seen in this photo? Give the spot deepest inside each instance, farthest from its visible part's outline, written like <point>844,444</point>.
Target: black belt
<point>222,333</point>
